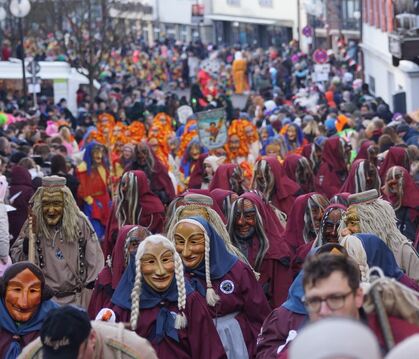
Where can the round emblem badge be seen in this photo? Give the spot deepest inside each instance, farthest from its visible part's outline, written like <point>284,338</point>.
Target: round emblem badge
<point>227,286</point>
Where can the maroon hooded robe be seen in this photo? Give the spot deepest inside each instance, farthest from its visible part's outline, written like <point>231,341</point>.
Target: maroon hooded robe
<point>363,150</point>
<point>285,189</point>
<point>396,156</point>
<point>195,178</point>
<point>290,167</point>
<point>108,278</point>
<point>275,271</point>
<point>219,195</point>
<point>199,340</point>
<point>349,185</point>
<point>222,176</point>
<point>247,298</point>
<point>293,234</point>
<point>152,213</point>
<point>332,172</point>
<point>21,182</point>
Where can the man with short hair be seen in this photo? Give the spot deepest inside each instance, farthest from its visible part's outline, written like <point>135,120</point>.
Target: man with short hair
<point>332,288</point>
<point>80,338</point>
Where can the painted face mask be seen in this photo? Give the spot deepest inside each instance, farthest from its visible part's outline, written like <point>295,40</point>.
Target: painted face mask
<point>331,226</point>
<point>234,143</point>
<point>371,176</point>
<point>194,152</point>
<point>142,154</point>
<point>52,207</point>
<point>158,267</point>
<point>97,155</point>
<point>244,219</point>
<point>236,181</point>
<point>352,220</point>
<point>23,296</point>
<point>190,244</point>
<point>264,179</point>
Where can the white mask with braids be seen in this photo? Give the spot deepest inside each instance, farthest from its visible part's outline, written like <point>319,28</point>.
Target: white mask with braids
<point>180,320</point>
<point>211,296</point>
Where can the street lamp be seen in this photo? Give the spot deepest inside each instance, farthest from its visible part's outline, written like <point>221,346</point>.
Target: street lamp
<point>20,9</point>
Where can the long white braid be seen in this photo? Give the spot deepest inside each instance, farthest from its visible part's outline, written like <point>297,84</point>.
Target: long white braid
<point>180,320</point>
<point>356,251</point>
<point>211,296</point>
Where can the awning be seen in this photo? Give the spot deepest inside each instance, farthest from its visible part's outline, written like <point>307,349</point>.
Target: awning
<point>250,20</point>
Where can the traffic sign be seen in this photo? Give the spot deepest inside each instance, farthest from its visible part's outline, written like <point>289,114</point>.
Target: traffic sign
<point>34,88</point>
<point>33,80</point>
<point>320,56</point>
<point>307,31</point>
<point>321,72</point>
<point>33,67</point>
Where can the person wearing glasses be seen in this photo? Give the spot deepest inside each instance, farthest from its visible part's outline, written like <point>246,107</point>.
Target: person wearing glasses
<point>332,289</point>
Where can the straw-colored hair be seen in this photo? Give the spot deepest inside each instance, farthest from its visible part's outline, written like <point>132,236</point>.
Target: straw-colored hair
<point>180,321</point>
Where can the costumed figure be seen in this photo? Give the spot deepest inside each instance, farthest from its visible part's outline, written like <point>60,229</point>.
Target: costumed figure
<point>403,194</point>
<point>298,169</point>
<point>239,143</point>
<point>363,176</point>
<point>61,241</point>
<point>235,299</point>
<point>239,73</point>
<point>129,237</point>
<point>25,302</point>
<point>159,179</point>
<point>209,166</point>
<point>229,177</point>
<point>303,225</point>
<point>257,232</point>
<point>270,179</point>
<point>135,205</point>
<point>20,192</point>
<point>396,156</point>
<point>331,222</point>
<point>190,159</point>
<point>93,175</point>
<point>162,307</point>
<point>370,251</point>
<point>313,152</point>
<point>368,151</point>
<point>294,138</point>
<point>225,200</point>
<point>369,214</point>
<point>333,170</point>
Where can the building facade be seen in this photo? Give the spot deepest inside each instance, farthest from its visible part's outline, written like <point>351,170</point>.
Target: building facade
<point>394,79</point>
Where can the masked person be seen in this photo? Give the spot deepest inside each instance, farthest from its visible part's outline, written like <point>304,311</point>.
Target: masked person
<point>162,307</point>
<point>270,179</point>
<point>68,333</point>
<point>396,156</point>
<point>256,231</point>
<point>129,237</point>
<point>210,166</point>
<point>225,200</point>
<point>25,302</point>
<point>136,204</point>
<point>303,225</point>
<point>298,169</point>
<point>363,176</point>
<point>189,160</point>
<point>159,179</point>
<point>313,152</point>
<point>94,177</point>
<point>369,214</point>
<point>229,177</point>
<point>333,170</point>
<point>330,224</point>
<point>403,194</point>
<point>226,283</point>
<point>66,247</point>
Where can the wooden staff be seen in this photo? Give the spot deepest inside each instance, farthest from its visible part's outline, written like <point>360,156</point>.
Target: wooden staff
<point>31,247</point>
<point>382,318</point>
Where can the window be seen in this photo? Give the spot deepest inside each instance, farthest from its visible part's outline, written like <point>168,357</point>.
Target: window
<point>371,83</point>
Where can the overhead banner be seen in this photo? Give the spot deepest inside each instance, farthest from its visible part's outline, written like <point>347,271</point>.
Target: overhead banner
<point>212,128</point>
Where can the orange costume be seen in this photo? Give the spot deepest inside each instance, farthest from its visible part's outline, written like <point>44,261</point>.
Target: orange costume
<point>239,73</point>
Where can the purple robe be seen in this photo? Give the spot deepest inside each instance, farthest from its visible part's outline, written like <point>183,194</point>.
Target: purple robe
<point>247,298</point>
<point>198,340</point>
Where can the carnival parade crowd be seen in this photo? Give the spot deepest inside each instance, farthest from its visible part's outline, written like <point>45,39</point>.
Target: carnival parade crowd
<point>123,236</point>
